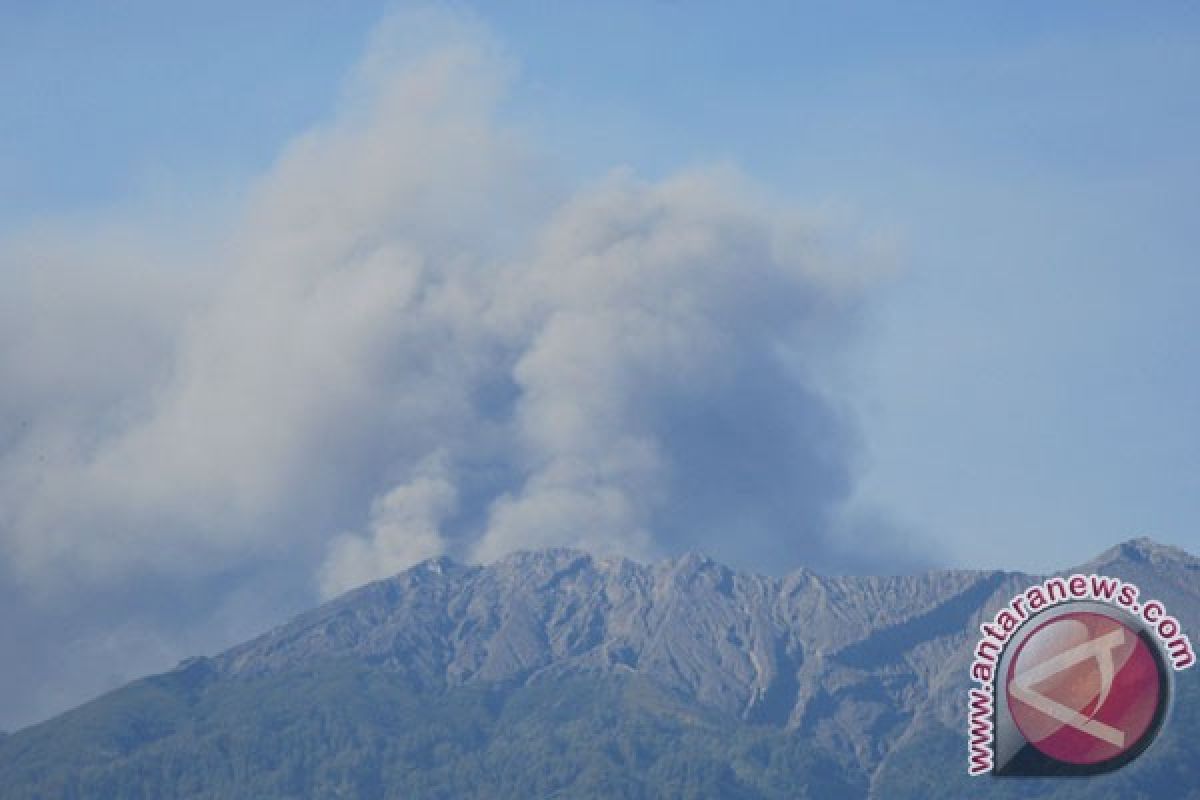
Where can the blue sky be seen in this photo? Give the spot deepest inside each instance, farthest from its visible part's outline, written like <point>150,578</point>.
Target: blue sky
<point>1015,383</point>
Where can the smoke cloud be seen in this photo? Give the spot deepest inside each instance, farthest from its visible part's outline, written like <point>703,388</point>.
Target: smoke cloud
<point>411,343</point>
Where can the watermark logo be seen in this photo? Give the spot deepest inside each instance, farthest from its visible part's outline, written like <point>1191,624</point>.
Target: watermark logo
<point>1074,678</point>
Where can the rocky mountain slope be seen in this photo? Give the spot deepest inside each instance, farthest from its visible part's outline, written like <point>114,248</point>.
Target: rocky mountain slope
<point>555,674</point>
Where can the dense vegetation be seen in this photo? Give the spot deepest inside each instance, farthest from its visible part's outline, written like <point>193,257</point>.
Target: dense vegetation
<point>345,731</point>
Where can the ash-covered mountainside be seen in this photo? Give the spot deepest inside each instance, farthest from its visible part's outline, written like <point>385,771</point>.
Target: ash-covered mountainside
<point>553,673</point>
<point>758,647</point>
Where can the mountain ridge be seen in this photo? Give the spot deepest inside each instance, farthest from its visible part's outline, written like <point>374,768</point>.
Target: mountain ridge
<point>864,671</point>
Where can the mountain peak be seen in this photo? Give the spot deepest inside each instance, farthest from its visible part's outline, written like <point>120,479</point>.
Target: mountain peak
<point>850,679</point>
<point>545,560</point>
<point>1142,550</point>
<point>692,561</point>
<point>437,565</point>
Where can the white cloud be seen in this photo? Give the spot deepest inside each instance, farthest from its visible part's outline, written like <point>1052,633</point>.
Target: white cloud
<point>405,528</point>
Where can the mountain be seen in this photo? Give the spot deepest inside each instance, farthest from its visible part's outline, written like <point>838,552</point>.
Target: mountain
<point>553,674</point>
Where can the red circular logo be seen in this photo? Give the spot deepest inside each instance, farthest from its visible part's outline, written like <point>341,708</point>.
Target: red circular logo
<point>1084,688</point>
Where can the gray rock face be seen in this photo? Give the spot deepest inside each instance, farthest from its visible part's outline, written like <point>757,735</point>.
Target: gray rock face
<point>856,663</point>
<point>553,674</point>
